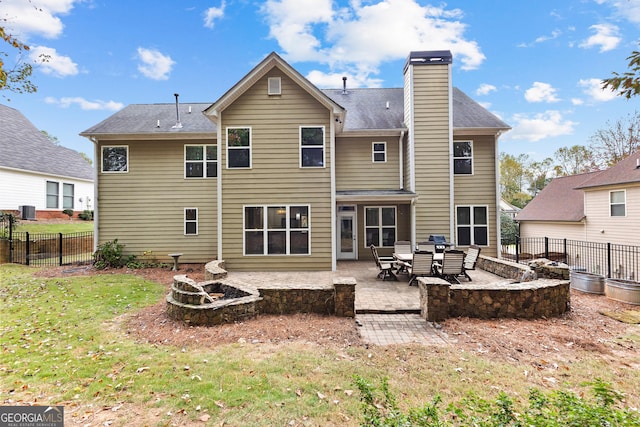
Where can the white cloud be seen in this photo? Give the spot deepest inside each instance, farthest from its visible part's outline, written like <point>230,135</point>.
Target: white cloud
<point>541,92</point>
<point>485,89</point>
<point>625,9</point>
<point>212,14</point>
<point>540,126</point>
<point>66,102</point>
<point>155,65</point>
<point>593,89</point>
<point>24,18</point>
<point>577,101</point>
<point>50,62</point>
<point>606,37</point>
<point>313,30</point>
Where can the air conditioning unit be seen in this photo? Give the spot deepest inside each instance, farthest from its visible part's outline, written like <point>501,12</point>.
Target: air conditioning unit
<point>27,212</point>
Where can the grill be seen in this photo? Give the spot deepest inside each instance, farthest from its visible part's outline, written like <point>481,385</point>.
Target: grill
<point>440,242</point>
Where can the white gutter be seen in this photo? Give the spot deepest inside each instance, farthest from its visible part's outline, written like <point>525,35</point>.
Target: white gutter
<point>334,218</point>
<point>95,192</point>
<point>219,186</point>
<point>401,159</point>
<point>498,223</point>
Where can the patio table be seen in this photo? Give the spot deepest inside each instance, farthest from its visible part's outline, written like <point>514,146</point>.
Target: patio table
<point>406,259</point>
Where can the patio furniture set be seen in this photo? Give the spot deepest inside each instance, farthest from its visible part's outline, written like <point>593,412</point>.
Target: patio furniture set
<point>426,261</point>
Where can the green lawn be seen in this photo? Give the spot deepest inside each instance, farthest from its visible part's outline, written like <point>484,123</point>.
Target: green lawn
<point>65,341</point>
<point>58,227</point>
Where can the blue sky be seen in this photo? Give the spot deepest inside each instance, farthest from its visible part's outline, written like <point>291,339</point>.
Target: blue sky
<point>535,64</point>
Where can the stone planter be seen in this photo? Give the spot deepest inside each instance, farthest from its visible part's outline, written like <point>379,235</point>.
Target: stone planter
<point>587,282</point>
<point>623,290</point>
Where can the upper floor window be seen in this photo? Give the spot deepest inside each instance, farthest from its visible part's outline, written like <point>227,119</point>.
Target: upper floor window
<point>312,147</point>
<point>238,147</point>
<point>462,158</point>
<point>200,161</point>
<point>67,196</point>
<point>115,159</point>
<point>191,221</point>
<point>380,225</point>
<point>618,203</point>
<point>276,230</point>
<point>379,152</point>
<point>472,225</point>
<point>53,189</point>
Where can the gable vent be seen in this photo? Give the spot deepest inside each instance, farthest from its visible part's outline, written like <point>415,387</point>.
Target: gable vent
<point>275,86</point>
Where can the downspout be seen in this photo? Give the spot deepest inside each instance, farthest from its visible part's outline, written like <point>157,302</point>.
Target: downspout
<point>498,222</point>
<point>334,218</point>
<point>401,159</point>
<point>452,237</point>
<point>95,192</point>
<point>219,185</point>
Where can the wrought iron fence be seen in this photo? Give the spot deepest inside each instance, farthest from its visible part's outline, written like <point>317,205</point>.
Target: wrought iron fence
<point>47,249</point>
<point>607,259</point>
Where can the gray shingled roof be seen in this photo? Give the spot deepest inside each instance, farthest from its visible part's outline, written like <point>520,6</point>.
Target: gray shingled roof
<point>366,110</point>
<point>560,200</point>
<point>24,147</point>
<point>143,119</point>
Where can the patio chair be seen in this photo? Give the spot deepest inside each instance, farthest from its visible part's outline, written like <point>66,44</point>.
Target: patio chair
<point>470,260</point>
<point>385,266</point>
<point>422,266</point>
<point>402,247</point>
<point>451,266</point>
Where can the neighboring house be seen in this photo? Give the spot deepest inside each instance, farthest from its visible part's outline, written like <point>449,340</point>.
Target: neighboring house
<point>39,175</point>
<point>280,175</point>
<point>508,209</point>
<point>601,206</point>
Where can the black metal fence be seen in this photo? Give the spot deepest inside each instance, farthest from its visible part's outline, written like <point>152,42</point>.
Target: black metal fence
<point>607,259</point>
<point>47,249</point>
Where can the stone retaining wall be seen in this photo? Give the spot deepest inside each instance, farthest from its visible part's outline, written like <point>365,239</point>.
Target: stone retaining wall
<point>190,302</point>
<point>521,295</point>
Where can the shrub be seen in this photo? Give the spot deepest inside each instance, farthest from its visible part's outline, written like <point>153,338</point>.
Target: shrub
<point>9,220</point>
<point>556,409</point>
<point>86,215</point>
<point>109,254</point>
<point>68,212</point>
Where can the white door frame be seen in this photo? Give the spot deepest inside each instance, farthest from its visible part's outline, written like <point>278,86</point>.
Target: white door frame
<point>353,255</point>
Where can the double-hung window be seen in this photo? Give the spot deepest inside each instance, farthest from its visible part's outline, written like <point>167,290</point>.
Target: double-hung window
<point>191,221</point>
<point>462,158</point>
<point>379,152</point>
<point>200,161</point>
<point>53,189</point>
<point>277,230</point>
<point>380,225</point>
<point>618,203</point>
<point>115,159</point>
<point>312,147</point>
<point>67,196</point>
<point>238,147</point>
<point>472,225</point>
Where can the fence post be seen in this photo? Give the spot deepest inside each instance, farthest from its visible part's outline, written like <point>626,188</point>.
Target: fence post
<point>609,260</point>
<point>27,247</point>
<point>517,249</point>
<point>566,257</point>
<point>60,248</point>
<point>10,241</point>
<point>546,247</point>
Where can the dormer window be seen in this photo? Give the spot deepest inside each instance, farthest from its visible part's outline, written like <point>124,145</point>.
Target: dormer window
<point>274,86</point>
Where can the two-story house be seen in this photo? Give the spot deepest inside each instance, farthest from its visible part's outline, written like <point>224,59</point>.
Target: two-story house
<point>278,174</point>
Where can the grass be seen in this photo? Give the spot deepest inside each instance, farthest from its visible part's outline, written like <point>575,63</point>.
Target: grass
<point>64,341</point>
<point>58,227</point>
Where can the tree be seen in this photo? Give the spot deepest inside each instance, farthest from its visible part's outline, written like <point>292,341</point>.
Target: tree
<point>513,174</point>
<point>574,160</point>
<point>540,175</point>
<point>616,142</point>
<point>54,139</point>
<point>16,78</point>
<point>626,84</point>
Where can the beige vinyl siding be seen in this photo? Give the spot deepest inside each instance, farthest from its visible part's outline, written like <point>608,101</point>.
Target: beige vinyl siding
<point>355,169</point>
<point>276,177</point>
<point>144,208</point>
<point>431,144</point>
<point>479,189</point>
<point>621,230</point>
<point>555,230</point>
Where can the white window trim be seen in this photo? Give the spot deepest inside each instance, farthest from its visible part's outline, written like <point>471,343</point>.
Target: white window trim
<point>624,192</point>
<point>196,221</point>
<point>374,152</point>
<point>73,196</point>
<point>324,146</point>
<point>46,194</point>
<point>204,161</point>
<point>380,226</point>
<point>250,147</point>
<point>126,147</point>
<point>469,157</point>
<point>473,225</point>
<point>271,87</point>
<point>265,230</point>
